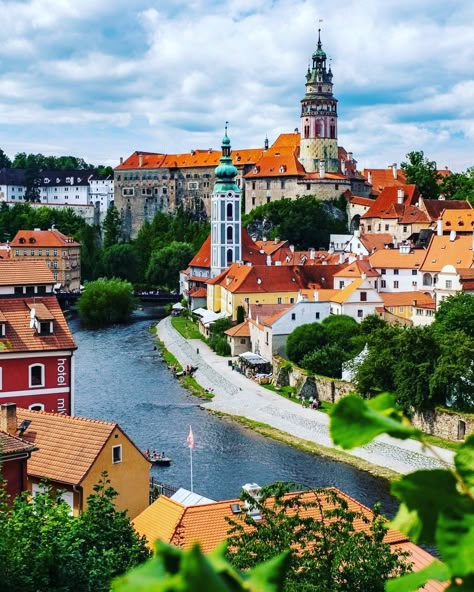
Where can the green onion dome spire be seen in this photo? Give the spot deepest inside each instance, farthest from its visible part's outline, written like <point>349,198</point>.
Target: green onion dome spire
<point>226,172</point>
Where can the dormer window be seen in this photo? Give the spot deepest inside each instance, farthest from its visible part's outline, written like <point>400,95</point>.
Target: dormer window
<point>3,330</point>
<point>45,327</point>
<point>22,240</point>
<point>32,240</point>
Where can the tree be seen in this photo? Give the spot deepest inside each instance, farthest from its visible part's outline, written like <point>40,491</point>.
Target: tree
<point>423,173</point>
<point>305,221</point>
<point>112,227</point>
<point>121,261</point>
<point>5,162</point>
<point>166,263</point>
<point>43,547</point>
<point>304,340</point>
<point>106,302</point>
<point>459,185</point>
<point>456,313</point>
<point>328,553</point>
<point>437,506</point>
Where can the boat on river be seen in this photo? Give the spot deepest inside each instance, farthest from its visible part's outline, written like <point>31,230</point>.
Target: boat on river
<point>159,459</point>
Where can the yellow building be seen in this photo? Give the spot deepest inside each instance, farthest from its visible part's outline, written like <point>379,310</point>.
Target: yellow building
<point>61,253</point>
<point>72,454</point>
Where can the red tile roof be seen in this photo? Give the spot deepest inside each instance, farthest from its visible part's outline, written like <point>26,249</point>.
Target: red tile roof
<point>10,445</point>
<point>20,337</point>
<point>435,207</point>
<point>382,178</point>
<point>198,293</point>
<point>270,247</point>
<point>203,257</point>
<point>393,259</point>
<point>375,240</point>
<point>276,165</point>
<point>42,238</point>
<point>444,251</point>
<point>241,330</point>
<point>415,298</point>
<point>250,253</point>
<point>458,220</point>
<point>385,204</point>
<point>25,272</point>
<point>362,201</point>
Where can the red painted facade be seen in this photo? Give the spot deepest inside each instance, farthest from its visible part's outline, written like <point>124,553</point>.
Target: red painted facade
<point>14,473</point>
<point>48,385</point>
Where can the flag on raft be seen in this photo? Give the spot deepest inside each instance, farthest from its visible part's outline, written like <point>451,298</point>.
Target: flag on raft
<point>190,438</point>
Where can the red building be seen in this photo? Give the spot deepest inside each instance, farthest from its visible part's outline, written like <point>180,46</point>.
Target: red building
<point>36,345</point>
<point>14,452</point>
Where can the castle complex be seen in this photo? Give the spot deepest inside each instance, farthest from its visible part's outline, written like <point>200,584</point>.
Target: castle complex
<point>305,162</point>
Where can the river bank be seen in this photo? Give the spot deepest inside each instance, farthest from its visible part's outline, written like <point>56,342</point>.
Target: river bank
<point>264,411</point>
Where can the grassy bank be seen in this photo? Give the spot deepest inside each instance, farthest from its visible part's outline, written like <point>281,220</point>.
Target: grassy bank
<point>307,446</point>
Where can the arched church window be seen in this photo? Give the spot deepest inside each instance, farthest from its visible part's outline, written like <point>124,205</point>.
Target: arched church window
<point>229,211</point>
<point>230,234</point>
<point>229,256</point>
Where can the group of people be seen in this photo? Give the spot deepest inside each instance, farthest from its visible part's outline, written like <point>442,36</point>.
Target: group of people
<point>153,455</point>
<point>312,403</point>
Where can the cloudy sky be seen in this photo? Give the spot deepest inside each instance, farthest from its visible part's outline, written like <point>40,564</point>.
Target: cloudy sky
<point>100,79</point>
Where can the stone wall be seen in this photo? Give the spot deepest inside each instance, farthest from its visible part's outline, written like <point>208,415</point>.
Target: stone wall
<point>446,424</point>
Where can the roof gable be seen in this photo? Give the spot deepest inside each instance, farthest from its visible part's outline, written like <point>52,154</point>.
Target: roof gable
<point>25,272</point>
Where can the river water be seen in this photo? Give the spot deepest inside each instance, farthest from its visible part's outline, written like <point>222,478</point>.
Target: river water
<point>121,378</point>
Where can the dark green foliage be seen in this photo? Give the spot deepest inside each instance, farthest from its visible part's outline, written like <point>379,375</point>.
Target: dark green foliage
<point>5,162</point>
<point>106,302</point>
<point>218,341</point>
<point>459,185</point>
<point>423,173</point>
<point>166,263</point>
<point>121,261</point>
<point>44,163</point>
<point>437,507</point>
<point>43,548</point>
<point>112,228</point>
<point>175,570</point>
<point>456,313</point>
<point>240,314</point>
<point>218,327</point>
<point>327,553</point>
<point>322,348</point>
<point>305,222</point>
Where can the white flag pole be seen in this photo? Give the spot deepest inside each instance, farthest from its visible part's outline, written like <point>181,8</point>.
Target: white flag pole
<point>190,442</point>
<point>191,455</point>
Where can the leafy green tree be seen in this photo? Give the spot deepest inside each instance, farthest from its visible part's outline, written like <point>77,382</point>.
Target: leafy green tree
<point>173,569</point>
<point>437,506</point>
<point>166,263</point>
<point>423,173</point>
<point>328,553</point>
<point>112,227</point>
<point>459,185</point>
<point>240,314</point>
<point>121,261</point>
<point>304,340</point>
<point>305,221</point>
<point>43,547</point>
<point>456,313</point>
<point>326,361</point>
<point>91,252</point>
<point>5,162</point>
<point>106,302</point>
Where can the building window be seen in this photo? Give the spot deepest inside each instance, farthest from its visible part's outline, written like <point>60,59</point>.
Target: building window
<point>308,186</point>
<point>55,252</point>
<point>395,272</point>
<point>293,316</point>
<point>253,184</point>
<point>117,454</point>
<point>229,211</point>
<point>279,300</point>
<point>414,272</point>
<point>360,313</point>
<point>363,296</point>
<point>37,407</point>
<point>253,201</point>
<point>230,234</point>
<point>386,227</point>
<point>449,284</point>
<point>341,284</point>
<point>243,341</point>
<point>292,300</point>
<point>317,315</point>
<point>383,271</point>
<point>383,284</point>
<point>229,256</point>
<point>32,252</point>
<point>401,309</point>
<point>36,375</point>
<point>283,184</point>
<point>395,284</point>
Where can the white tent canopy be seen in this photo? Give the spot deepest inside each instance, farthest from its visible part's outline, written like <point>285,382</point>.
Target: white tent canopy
<point>254,359</point>
<point>178,306</point>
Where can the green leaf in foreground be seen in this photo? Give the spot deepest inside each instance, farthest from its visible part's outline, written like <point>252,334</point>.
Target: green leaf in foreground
<point>464,462</point>
<point>175,570</point>
<point>355,422</point>
<point>414,581</point>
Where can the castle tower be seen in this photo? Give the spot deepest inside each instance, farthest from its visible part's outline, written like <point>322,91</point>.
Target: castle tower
<point>319,117</point>
<point>226,228</point>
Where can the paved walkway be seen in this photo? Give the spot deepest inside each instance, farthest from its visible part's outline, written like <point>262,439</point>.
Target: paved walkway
<point>235,394</point>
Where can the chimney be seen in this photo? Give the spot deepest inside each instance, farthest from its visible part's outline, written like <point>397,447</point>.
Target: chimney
<point>341,258</point>
<point>452,236</point>
<point>343,166</point>
<point>140,159</point>
<point>439,227</point>
<point>331,249</point>
<point>121,160</point>
<point>8,421</point>
<point>292,248</point>
<point>322,169</point>
<point>269,259</point>
<point>394,170</point>
<point>400,196</point>
<point>312,253</point>
<point>363,275</point>
<point>349,155</point>
<point>253,490</point>
<point>369,177</point>
<point>316,296</point>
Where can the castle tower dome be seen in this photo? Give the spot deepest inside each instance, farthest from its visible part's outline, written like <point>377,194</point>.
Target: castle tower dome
<point>226,227</point>
<point>319,116</point>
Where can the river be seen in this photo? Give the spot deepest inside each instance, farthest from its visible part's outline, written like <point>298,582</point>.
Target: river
<point>120,377</point>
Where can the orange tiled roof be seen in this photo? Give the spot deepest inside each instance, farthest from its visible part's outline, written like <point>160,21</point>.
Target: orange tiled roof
<point>443,251</point>
<point>199,292</point>
<point>25,272</point>
<point>12,445</point>
<point>150,160</point>
<point>415,298</point>
<point>250,253</point>
<point>291,140</point>
<point>288,256</point>
<point>393,259</point>
<point>375,240</point>
<point>362,201</point>
<point>356,269</point>
<point>160,520</point>
<point>435,207</point>
<point>241,330</point>
<point>270,247</point>
<point>195,158</point>
<point>276,165</point>
<point>20,337</point>
<point>262,312</point>
<point>203,257</point>
<point>458,220</point>
<point>382,178</point>
<point>42,238</point>
<point>67,446</point>
<point>385,206</point>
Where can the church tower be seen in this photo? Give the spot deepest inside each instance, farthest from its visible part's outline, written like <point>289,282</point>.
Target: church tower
<point>226,228</point>
<point>318,144</point>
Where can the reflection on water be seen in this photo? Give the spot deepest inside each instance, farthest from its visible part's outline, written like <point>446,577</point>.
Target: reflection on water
<point>120,377</point>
